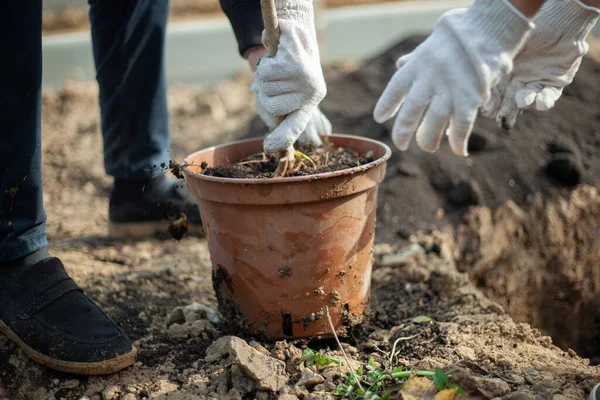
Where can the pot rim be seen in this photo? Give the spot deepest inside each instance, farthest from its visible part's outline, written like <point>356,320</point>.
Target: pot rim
<point>305,178</point>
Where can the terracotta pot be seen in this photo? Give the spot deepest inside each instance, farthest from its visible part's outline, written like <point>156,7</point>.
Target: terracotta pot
<point>285,249</point>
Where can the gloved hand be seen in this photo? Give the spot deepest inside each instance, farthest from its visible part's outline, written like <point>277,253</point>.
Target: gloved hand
<point>547,63</point>
<point>291,84</point>
<point>450,75</point>
<point>318,125</point>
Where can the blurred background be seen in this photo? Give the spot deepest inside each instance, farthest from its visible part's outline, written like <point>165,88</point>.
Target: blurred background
<point>201,25</point>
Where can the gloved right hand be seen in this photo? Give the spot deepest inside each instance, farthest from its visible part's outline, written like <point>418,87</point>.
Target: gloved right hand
<point>547,63</point>
<point>317,126</point>
<point>450,75</point>
<point>291,83</point>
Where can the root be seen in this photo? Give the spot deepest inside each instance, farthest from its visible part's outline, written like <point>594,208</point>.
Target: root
<point>287,162</point>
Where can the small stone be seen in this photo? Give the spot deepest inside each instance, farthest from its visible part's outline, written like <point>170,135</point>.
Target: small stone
<point>177,331</point>
<point>517,379</point>
<point>233,395</point>
<point>197,311</point>
<point>263,396</point>
<point>520,396</point>
<point>89,188</point>
<point>257,346</point>
<point>70,384</point>
<point>176,317</point>
<point>129,396</point>
<point>287,397</point>
<point>267,372</point>
<point>565,169</point>
<point>334,298</point>
<point>492,387</point>
<point>313,396</point>
<point>532,372</point>
<point>163,386</point>
<point>111,393</point>
<point>349,349</point>
<point>325,387</point>
<point>309,379</point>
<point>198,382</point>
<point>197,328</point>
<point>298,391</point>
<point>332,373</point>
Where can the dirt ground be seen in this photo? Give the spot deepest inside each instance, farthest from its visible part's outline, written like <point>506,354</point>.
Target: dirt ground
<point>483,246</point>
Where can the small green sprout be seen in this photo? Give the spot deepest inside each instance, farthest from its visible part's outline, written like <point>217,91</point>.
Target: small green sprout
<point>314,358</point>
<point>442,382</point>
<point>379,384</point>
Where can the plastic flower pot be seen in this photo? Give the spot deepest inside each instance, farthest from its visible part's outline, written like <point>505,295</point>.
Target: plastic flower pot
<point>286,250</point>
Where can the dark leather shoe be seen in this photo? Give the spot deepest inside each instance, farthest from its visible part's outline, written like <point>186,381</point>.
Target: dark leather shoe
<point>148,207</point>
<point>58,326</point>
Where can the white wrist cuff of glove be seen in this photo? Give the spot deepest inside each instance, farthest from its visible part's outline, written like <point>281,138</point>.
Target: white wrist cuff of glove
<point>501,21</point>
<point>571,17</point>
<point>299,11</point>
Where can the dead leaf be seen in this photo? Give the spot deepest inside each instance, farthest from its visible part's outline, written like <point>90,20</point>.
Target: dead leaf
<point>417,388</point>
<point>447,394</point>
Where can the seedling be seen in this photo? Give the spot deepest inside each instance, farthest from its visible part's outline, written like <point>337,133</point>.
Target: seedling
<point>442,382</point>
<point>314,358</point>
<point>375,383</point>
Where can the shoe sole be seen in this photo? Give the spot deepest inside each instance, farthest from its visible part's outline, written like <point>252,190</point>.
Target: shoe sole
<point>124,230</point>
<point>80,368</point>
<point>594,393</point>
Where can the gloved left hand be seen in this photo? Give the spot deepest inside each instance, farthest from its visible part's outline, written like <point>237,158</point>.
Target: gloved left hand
<point>449,76</point>
<point>547,63</point>
<point>291,83</point>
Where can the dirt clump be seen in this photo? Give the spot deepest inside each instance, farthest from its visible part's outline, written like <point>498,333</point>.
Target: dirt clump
<point>312,160</point>
<point>541,264</point>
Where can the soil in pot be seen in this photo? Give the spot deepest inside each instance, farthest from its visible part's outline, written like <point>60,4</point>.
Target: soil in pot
<point>314,160</point>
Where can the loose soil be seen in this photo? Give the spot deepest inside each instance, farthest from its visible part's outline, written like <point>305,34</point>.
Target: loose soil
<point>313,161</point>
<point>499,243</point>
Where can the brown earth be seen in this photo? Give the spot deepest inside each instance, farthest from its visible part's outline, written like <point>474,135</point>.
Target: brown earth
<point>531,248</point>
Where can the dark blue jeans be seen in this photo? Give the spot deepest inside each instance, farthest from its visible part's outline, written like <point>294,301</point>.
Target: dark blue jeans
<point>128,44</point>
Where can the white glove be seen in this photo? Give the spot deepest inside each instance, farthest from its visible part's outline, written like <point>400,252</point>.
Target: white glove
<point>291,84</point>
<point>450,75</point>
<point>548,62</point>
<point>318,125</point>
